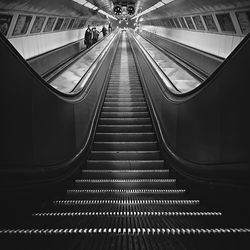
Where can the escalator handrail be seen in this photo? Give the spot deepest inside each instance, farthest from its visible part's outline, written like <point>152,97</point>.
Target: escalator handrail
<point>59,69</point>
<point>189,169</point>
<point>179,96</point>
<point>60,167</point>
<point>68,96</point>
<point>176,90</point>
<point>76,89</point>
<point>218,58</point>
<point>193,70</point>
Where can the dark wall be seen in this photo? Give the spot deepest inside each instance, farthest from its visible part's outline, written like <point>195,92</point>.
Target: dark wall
<point>40,127</point>
<point>206,129</point>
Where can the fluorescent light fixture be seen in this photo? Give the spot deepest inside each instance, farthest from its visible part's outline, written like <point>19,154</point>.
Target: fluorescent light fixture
<point>93,7</point>
<point>102,12</point>
<point>80,1</point>
<point>158,5</point>
<point>167,1</point>
<point>106,14</point>
<point>89,5</point>
<point>154,7</point>
<point>86,4</point>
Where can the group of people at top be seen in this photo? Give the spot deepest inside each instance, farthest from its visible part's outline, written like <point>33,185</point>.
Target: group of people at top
<point>91,35</point>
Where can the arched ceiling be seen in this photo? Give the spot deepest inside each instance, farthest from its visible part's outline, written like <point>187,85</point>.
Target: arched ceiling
<point>177,7</point>
<point>189,7</point>
<point>70,8</point>
<point>53,7</point>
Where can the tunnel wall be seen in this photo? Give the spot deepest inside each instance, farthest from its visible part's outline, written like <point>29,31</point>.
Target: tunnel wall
<point>31,46</point>
<point>216,44</point>
<point>203,25</point>
<point>36,27</point>
<point>204,132</point>
<point>44,131</point>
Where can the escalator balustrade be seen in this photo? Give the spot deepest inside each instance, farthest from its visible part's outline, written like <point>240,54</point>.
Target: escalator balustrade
<point>126,197</point>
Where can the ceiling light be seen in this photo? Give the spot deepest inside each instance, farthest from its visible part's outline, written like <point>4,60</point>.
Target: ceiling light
<point>89,5</point>
<point>158,5</point>
<point>106,14</point>
<point>80,1</point>
<point>117,10</point>
<point>131,10</point>
<point>167,1</point>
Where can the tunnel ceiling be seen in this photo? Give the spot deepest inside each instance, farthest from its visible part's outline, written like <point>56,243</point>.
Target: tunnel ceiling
<point>70,8</point>
<point>177,7</point>
<point>53,7</point>
<point>183,7</point>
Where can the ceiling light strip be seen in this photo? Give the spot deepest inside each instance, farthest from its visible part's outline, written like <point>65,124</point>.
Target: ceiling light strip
<point>93,7</point>
<point>154,7</point>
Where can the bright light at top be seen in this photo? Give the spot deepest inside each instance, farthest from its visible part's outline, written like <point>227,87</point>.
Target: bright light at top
<point>154,7</point>
<point>106,14</point>
<point>167,1</point>
<point>93,7</point>
<point>158,5</point>
<point>80,1</point>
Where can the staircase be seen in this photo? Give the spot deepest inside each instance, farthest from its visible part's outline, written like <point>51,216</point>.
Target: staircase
<point>125,198</point>
<point>125,138</point>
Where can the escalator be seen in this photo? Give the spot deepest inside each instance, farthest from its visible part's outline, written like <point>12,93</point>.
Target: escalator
<point>126,196</point>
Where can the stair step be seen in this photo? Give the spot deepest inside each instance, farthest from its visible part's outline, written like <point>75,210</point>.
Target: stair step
<point>124,80</point>
<point>125,137</point>
<point>124,104</point>
<point>158,193</point>
<point>127,76</point>
<point>127,87</point>
<point>125,121</point>
<point>122,88</point>
<point>125,184</point>
<point>127,213</point>
<point>124,114</point>
<point>125,165</point>
<point>128,83</point>
<point>119,93</point>
<point>125,109</point>
<point>145,204</point>
<point>124,91</point>
<point>126,95</point>
<point>128,174</point>
<point>138,146</point>
<point>125,155</point>
<point>127,191</point>
<point>124,128</point>
<point>125,99</point>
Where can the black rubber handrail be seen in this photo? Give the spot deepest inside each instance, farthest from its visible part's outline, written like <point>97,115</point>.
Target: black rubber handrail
<point>61,67</point>
<point>61,170</point>
<point>192,69</point>
<point>189,47</point>
<point>189,169</point>
<point>180,96</point>
<point>71,95</point>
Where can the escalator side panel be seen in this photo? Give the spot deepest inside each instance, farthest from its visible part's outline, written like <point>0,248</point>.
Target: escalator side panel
<point>207,128</point>
<point>43,130</point>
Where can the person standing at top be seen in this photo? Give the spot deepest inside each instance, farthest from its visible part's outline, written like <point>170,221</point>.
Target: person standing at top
<point>104,31</point>
<point>88,37</point>
<point>110,28</point>
<point>95,34</point>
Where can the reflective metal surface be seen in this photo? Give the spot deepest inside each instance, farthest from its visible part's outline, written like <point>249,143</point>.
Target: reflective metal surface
<point>70,78</point>
<point>179,77</point>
